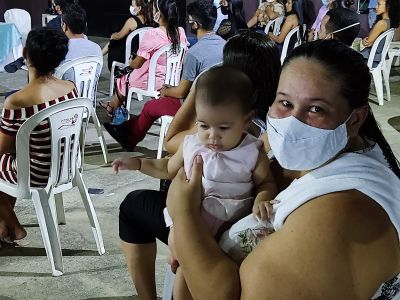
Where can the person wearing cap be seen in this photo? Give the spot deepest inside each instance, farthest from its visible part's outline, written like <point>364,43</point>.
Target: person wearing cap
<point>341,24</point>
<point>267,11</point>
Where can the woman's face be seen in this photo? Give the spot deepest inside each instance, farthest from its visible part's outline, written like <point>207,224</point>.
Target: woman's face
<point>380,7</point>
<point>308,92</point>
<point>135,7</point>
<point>289,5</point>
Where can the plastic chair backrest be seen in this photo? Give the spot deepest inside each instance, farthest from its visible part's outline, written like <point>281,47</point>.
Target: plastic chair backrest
<point>66,121</point>
<point>276,25</point>
<point>129,38</point>
<point>84,69</point>
<point>287,40</point>
<point>20,17</point>
<point>388,36</point>
<point>173,66</point>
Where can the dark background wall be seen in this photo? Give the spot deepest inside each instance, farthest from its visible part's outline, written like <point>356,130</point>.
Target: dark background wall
<point>107,16</point>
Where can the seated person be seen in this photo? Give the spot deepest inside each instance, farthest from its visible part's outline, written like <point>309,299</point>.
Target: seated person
<point>168,33</point>
<point>337,225</point>
<point>141,218</point>
<point>73,25</point>
<point>204,54</point>
<point>341,24</point>
<point>237,178</point>
<point>235,21</point>
<point>291,21</point>
<point>388,15</point>
<point>45,49</point>
<point>267,11</point>
<point>326,5</point>
<point>141,11</point>
<point>59,6</point>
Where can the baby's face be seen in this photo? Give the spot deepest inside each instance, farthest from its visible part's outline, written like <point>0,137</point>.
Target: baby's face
<point>221,128</point>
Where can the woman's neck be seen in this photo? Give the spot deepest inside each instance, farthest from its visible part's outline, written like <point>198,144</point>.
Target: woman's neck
<point>34,77</point>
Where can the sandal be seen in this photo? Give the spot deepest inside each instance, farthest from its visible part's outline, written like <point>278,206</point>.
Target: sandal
<point>107,107</point>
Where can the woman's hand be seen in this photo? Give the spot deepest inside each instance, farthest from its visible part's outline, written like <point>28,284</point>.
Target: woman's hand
<point>114,36</point>
<point>184,196</point>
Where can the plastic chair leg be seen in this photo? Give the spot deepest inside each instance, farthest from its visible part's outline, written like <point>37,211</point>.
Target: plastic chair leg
<point>386,73</point>
<point>377,76</point>
<point>100,136</point>
<point>91,213</point>
<point>168,283</point>
<point>48,227</point>
<point>60,209</point>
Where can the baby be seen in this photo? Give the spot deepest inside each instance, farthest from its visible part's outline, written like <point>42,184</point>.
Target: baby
<point>236,174</point>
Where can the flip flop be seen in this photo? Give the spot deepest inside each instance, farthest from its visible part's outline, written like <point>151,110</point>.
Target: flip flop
<point>109,109</point>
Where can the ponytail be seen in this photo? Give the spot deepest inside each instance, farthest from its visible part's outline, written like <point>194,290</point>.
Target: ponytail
<point>169,10</point>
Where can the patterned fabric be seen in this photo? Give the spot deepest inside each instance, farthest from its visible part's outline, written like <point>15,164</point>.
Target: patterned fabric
<point>40,144</point>
<point>389,290</point>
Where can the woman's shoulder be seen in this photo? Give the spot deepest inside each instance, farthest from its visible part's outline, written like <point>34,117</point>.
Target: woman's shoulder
<point>382,25</point>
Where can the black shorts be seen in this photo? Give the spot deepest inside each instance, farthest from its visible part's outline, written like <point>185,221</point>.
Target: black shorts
<point>141,218</point>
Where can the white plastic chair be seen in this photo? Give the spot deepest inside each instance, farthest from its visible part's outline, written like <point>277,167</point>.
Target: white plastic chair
<point>382,67</point>
<point>172,76</point>
<point>276,25</point>
<point>128,45</point>
<point>286,42</point>
<point>22,19</point>
<point>165,122</point>
<point>86,82</point>
<point>67,123</point>
<point>394,52</point>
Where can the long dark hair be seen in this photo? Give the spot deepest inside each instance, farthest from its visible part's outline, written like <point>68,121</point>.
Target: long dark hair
<point>146,9</point>
<point>169,10</point>
<point>394,12</point>
<point>258,57</point>
<point>238,13</point>
<point>349,68</point>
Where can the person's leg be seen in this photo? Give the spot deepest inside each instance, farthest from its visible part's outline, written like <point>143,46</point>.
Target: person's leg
<point>140,260</point>
<point>180,290</point>
<point>141,221</point>
<point>105,49</point>
<point>10,228</point>
<point>152,110</point>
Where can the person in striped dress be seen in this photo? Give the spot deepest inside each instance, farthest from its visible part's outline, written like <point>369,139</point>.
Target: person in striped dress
<point>45,50</point>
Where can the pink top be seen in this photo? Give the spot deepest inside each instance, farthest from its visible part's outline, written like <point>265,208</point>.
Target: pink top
<point>153,39</point>
<point>227,179</point>
<point>321,14</point>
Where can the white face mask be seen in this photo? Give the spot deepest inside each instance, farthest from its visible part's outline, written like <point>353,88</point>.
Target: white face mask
<point>298,146</point>
<point>132,11</point>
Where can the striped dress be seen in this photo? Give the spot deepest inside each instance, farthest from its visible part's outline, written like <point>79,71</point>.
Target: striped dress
<point>40,144</point>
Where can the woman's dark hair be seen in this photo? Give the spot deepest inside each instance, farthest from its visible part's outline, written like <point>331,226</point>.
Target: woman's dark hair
<point>348,67</point>
<point>46,49</point>
<point>146,9</point>
<point>169,10</point>
<point>238,91</point>
<point>394,12</point>
<point>258,57</point>
<point>238,13</point>
<point>293,11</point>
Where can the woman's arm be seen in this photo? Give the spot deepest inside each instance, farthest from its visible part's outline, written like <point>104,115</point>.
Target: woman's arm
<point>337,246</point>
<point>137,62</point>
<point>209,272</point>
<point>378,28</point>
<point>182,124</point>
<point>129,26</point>
<point>287,26</point>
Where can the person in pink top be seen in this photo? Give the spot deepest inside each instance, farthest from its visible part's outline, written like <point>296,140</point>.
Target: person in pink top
<point>236,178</point>
<point>165,13</point>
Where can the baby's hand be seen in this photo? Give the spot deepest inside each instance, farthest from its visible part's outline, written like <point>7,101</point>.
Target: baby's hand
<point>263,209</point>
<point>126,163</point>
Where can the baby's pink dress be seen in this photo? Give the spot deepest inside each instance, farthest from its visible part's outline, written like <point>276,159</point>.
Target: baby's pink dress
<point>152,40</point>
<point>227,179</point>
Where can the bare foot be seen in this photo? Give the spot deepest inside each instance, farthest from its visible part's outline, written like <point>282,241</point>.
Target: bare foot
<point>9,235</point>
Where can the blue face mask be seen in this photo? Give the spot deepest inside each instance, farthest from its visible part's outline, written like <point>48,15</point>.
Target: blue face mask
<point>325,2</point>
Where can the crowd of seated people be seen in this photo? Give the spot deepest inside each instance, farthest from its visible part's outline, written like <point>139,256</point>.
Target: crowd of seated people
<point>255,145</point>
